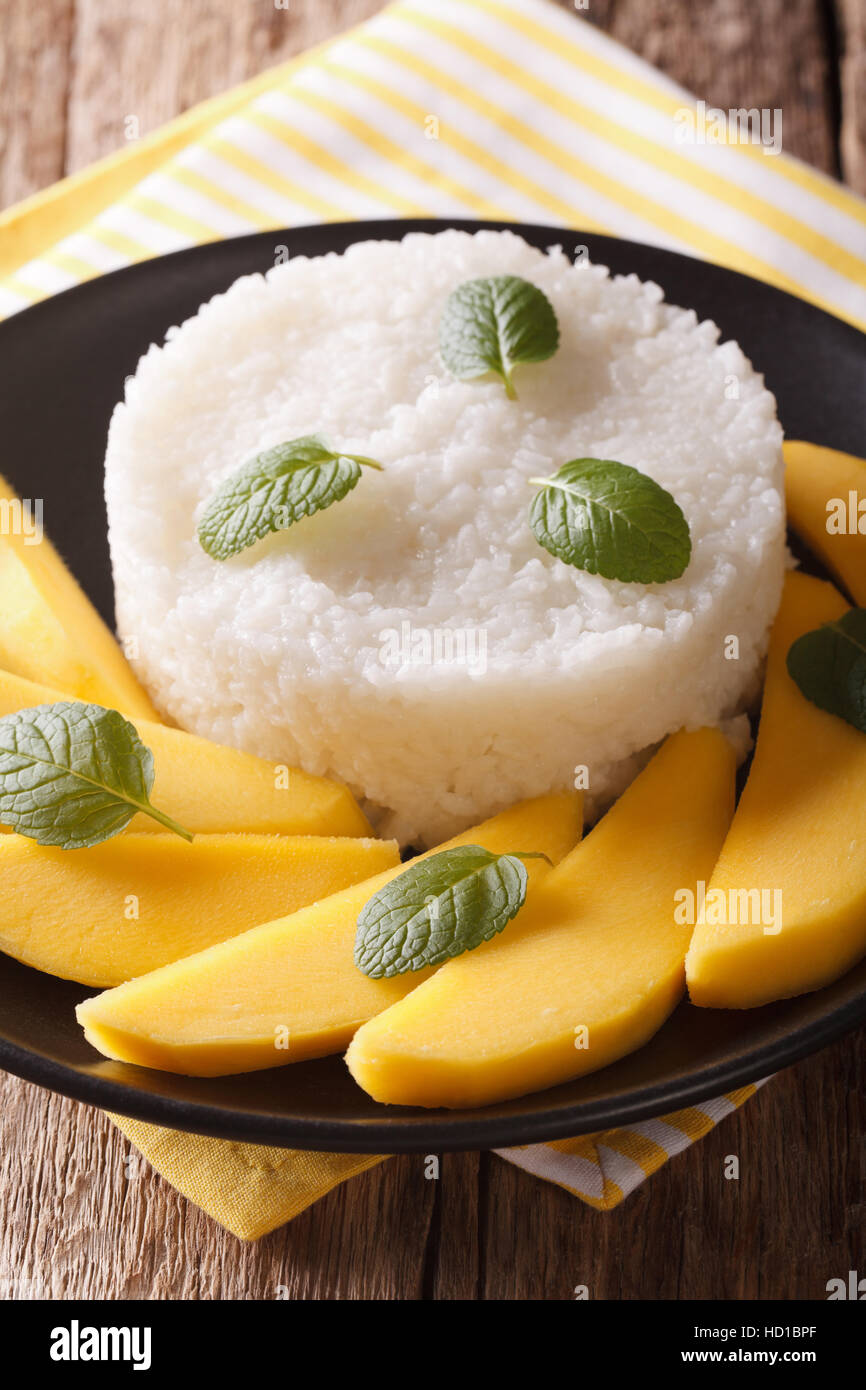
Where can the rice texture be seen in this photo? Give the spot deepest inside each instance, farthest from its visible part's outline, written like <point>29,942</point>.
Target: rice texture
<point>415,640</point>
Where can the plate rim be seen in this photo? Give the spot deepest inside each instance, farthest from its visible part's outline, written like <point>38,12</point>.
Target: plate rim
<point>381,229</point>
<point>441,1130</point>
<point>453,1132</point>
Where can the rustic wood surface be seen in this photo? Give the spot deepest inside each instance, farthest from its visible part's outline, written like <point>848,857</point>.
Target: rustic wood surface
<point>79,1215</point>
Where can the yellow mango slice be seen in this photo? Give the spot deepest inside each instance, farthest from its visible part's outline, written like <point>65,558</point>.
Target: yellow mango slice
<point>814,478</point>
<point>798,838</point>
<point>289,989</point>
<point>131,904</point>
<point>49,630</point>
<point>589,970</point>
<point>211,790</point>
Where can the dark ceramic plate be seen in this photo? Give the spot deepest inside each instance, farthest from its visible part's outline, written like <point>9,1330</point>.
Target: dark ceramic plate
<point>62,365</point>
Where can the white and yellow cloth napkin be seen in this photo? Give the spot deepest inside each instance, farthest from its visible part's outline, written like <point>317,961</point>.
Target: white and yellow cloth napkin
<point>505,109</point>
<point>251,1189</point>
<point>502,109</point>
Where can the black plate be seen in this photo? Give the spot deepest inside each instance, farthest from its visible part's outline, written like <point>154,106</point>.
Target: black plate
<point>62,365</point>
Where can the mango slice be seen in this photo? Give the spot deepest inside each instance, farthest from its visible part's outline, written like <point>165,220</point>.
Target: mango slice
<point>814,478</point>
<point>50,631</point>
<point>791,878</point>
<point>589,970</point>
<point>103,915</point>
<point>212,790</point>
<point>289,989</point>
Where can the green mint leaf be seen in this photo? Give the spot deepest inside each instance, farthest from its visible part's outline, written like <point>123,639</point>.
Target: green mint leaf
<point>439,907</point>
<point>491,325</point>
<point>73,775</point>
<point>829,667</point>
<point>610,519</point>
<point>275,489</point>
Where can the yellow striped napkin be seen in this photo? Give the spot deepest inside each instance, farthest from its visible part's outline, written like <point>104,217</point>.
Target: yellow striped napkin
<point>252,1189</point>
<point>505,109</point>
<point>509,109</point>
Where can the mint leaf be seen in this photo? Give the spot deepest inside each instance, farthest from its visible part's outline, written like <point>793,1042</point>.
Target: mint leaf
<point>73,775</point>
<point>439,907</point>
<point>275,489</point>
<point>829,667</point>
<point>610,519</point>
<point>491,325</point>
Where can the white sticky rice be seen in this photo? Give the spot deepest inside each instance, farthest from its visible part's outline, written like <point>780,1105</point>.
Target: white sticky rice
<point>414,640</point>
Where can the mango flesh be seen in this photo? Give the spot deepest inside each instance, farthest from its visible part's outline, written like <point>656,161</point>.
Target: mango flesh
<point>289,989</point>
<point>799,832</point>
<point>210,789</point>
<point>589,970</point>
<point>50,631</point>
<point>814,477</point>
<point>122,908</point>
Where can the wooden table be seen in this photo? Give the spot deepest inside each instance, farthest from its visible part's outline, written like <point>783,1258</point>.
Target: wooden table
<point>81,1217</point>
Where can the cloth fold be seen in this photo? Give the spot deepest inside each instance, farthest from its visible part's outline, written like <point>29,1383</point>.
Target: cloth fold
<point>506,109</point>
<point>251,1189</point>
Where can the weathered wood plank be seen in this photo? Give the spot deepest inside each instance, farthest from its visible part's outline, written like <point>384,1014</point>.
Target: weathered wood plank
<point>82,1215</point>
<point>851,17</point>
<point>35,68</point>
<point>125,68</point>
<point>791,1221</point>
